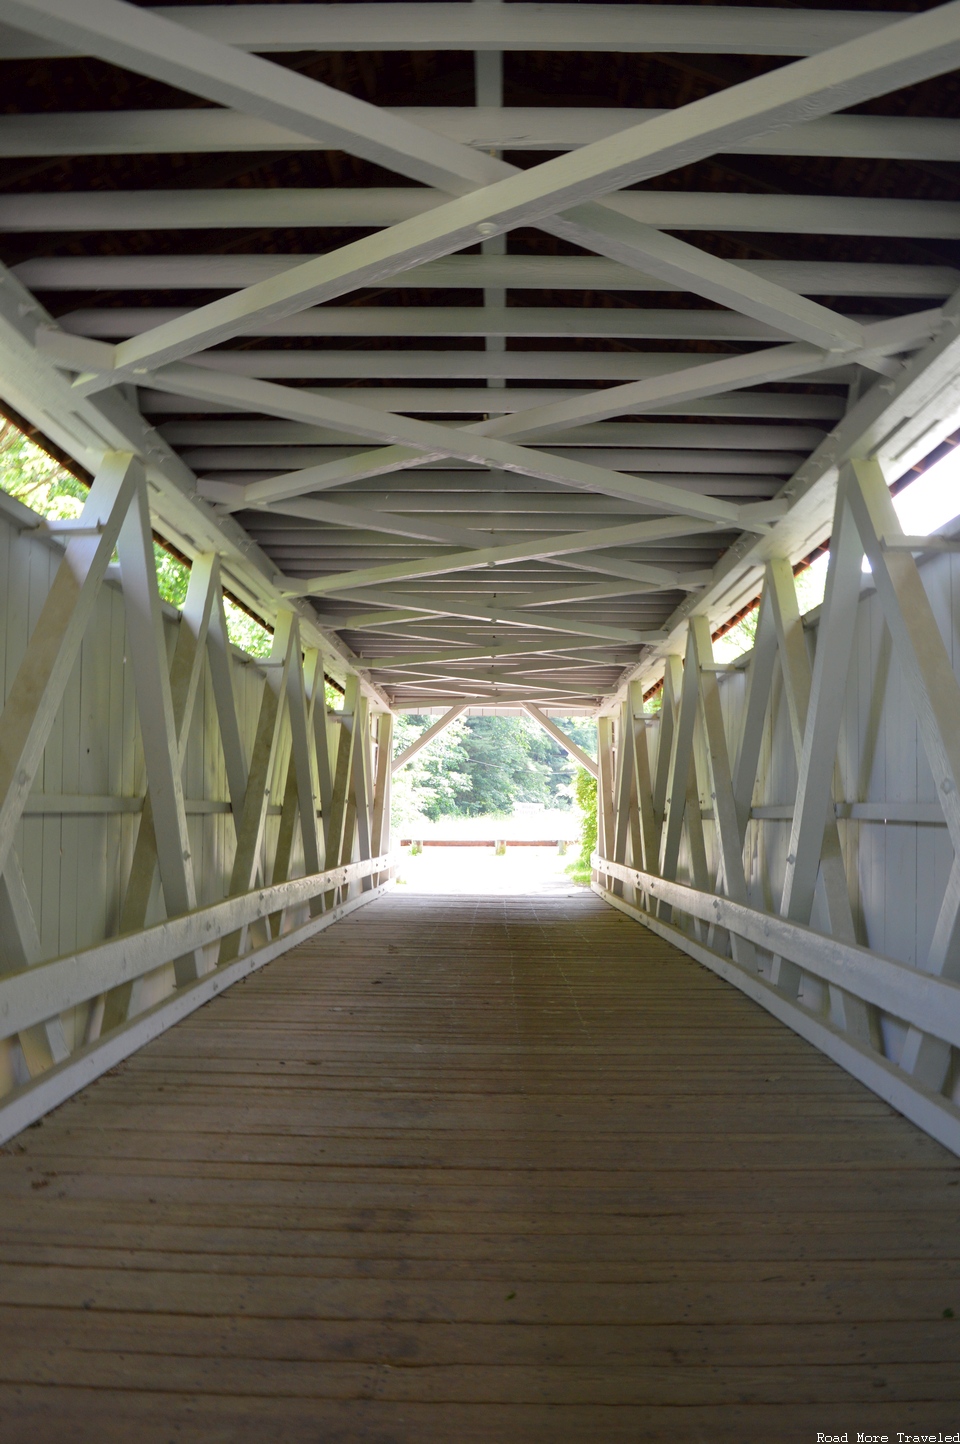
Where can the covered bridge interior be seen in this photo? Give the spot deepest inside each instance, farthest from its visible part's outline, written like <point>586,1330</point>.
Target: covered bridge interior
<point>492,356</point>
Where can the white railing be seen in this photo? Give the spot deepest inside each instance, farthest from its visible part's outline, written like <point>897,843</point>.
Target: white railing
<point>926,1002</point>
<point>33,995</point>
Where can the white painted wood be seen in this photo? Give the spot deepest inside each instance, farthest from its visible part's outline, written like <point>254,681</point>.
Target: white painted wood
<point>894,56</point>
<point>296,208</point>
<point>936,1116</point>
<point>550,727</point>
<point>404,26</point>
<point>58,1084</point>
<point>554,273</point>
<point>33,700</point>
<point>417,745</point>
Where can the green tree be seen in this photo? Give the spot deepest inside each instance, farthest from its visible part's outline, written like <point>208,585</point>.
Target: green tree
<point>427,787</point>
<point>586,793</point>
<point>500,767</point>
<point>41,483</point>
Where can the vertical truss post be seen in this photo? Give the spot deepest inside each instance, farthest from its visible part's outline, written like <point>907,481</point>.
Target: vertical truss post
<point>625,790</point>
<point>380,826</point>
<point>759,687</point>
<point>931,683</point>
<point>819,750</point>
<point>342,777</point>
<point>148,654</point>
<point>725,818</point>
<point>646,842</point>
<point>325,753</point>
<point>300,790</point>
<point>680,784</point>
<point>669,708</point>
<point>360,793</point>
<point>605,778</point>
<point>186,670</point>
<point>220,657</point>
<point>301,753</point>
<point>846,1011</point>
<point>44,1044</point>
<point>262,762</point>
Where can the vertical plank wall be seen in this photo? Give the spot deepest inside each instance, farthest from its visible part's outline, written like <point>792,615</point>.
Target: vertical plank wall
<point>896,870</point>
<point>76,855</point>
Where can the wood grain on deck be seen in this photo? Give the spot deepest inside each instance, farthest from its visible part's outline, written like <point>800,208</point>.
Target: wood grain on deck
<point>477,1169</point>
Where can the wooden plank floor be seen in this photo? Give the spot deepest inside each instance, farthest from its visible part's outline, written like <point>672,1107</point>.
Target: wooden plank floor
<point>477,1169</point>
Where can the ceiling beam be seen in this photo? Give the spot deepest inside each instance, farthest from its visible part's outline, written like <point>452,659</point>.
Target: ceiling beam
<point>407,321</point>
<point>542,619</point>
<point>459,401</point>
<point>897,55</point>
<point>773,364</point>
<point>294,208</point>
<point>481,654</point>
<point>402,613</point>
<point>899,423</point>
<point>429,440</point>
<point>634,436</point>
<point>554,273</point>
<point>536,549</point>
<point>628,28</point>
<point>184,132</point>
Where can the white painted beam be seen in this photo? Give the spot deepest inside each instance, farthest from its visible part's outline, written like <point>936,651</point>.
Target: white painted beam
<point>38,686</point>
<point>545,618</point>
<point>459,401</point>
<point>408,438</point>
<point>388,321</point>
<point>537,548</point>
<point>899,421</point>
<point>425,738</point>
<point>558,735</point>
<point>898,55</point>
<point>152,132</point>
<point>251,209</point>
<point>89,429</point>
<point>634,438</point>
<point>555,273</point>
<point>629,28</point>
<point>151,44</point>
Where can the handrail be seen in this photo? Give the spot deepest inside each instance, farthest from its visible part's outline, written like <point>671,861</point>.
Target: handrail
<point>928,1002</point>
<point>32,995</point>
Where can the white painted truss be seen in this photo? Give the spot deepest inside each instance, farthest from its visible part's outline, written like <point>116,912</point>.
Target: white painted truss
<point>651,362</point>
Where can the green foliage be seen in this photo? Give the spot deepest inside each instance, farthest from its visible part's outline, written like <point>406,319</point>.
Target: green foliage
<point>36,479</point>
<point>173,576</point>
<point>586,794</point>
<point>426,787</point>
<point>484,766</point>
<point>739,639</point>
<point>246,632</point>
<point>500,767</point>
<point>45,486</point>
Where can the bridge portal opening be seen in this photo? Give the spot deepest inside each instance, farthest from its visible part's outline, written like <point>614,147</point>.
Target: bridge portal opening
<point>494,801</point>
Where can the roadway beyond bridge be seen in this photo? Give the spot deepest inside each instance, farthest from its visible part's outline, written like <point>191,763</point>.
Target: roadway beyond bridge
<point>477,1168</point>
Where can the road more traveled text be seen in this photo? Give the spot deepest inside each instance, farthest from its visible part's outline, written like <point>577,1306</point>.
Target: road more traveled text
<point>899,1437</point>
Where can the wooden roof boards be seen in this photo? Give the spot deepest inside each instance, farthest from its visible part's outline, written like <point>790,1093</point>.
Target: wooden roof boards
<point>397,253</point>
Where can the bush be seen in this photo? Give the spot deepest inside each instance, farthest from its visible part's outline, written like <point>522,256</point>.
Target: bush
<point>585,791</point>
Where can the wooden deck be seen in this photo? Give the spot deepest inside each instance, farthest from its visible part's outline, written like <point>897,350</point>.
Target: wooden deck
<point>477,1169</point>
